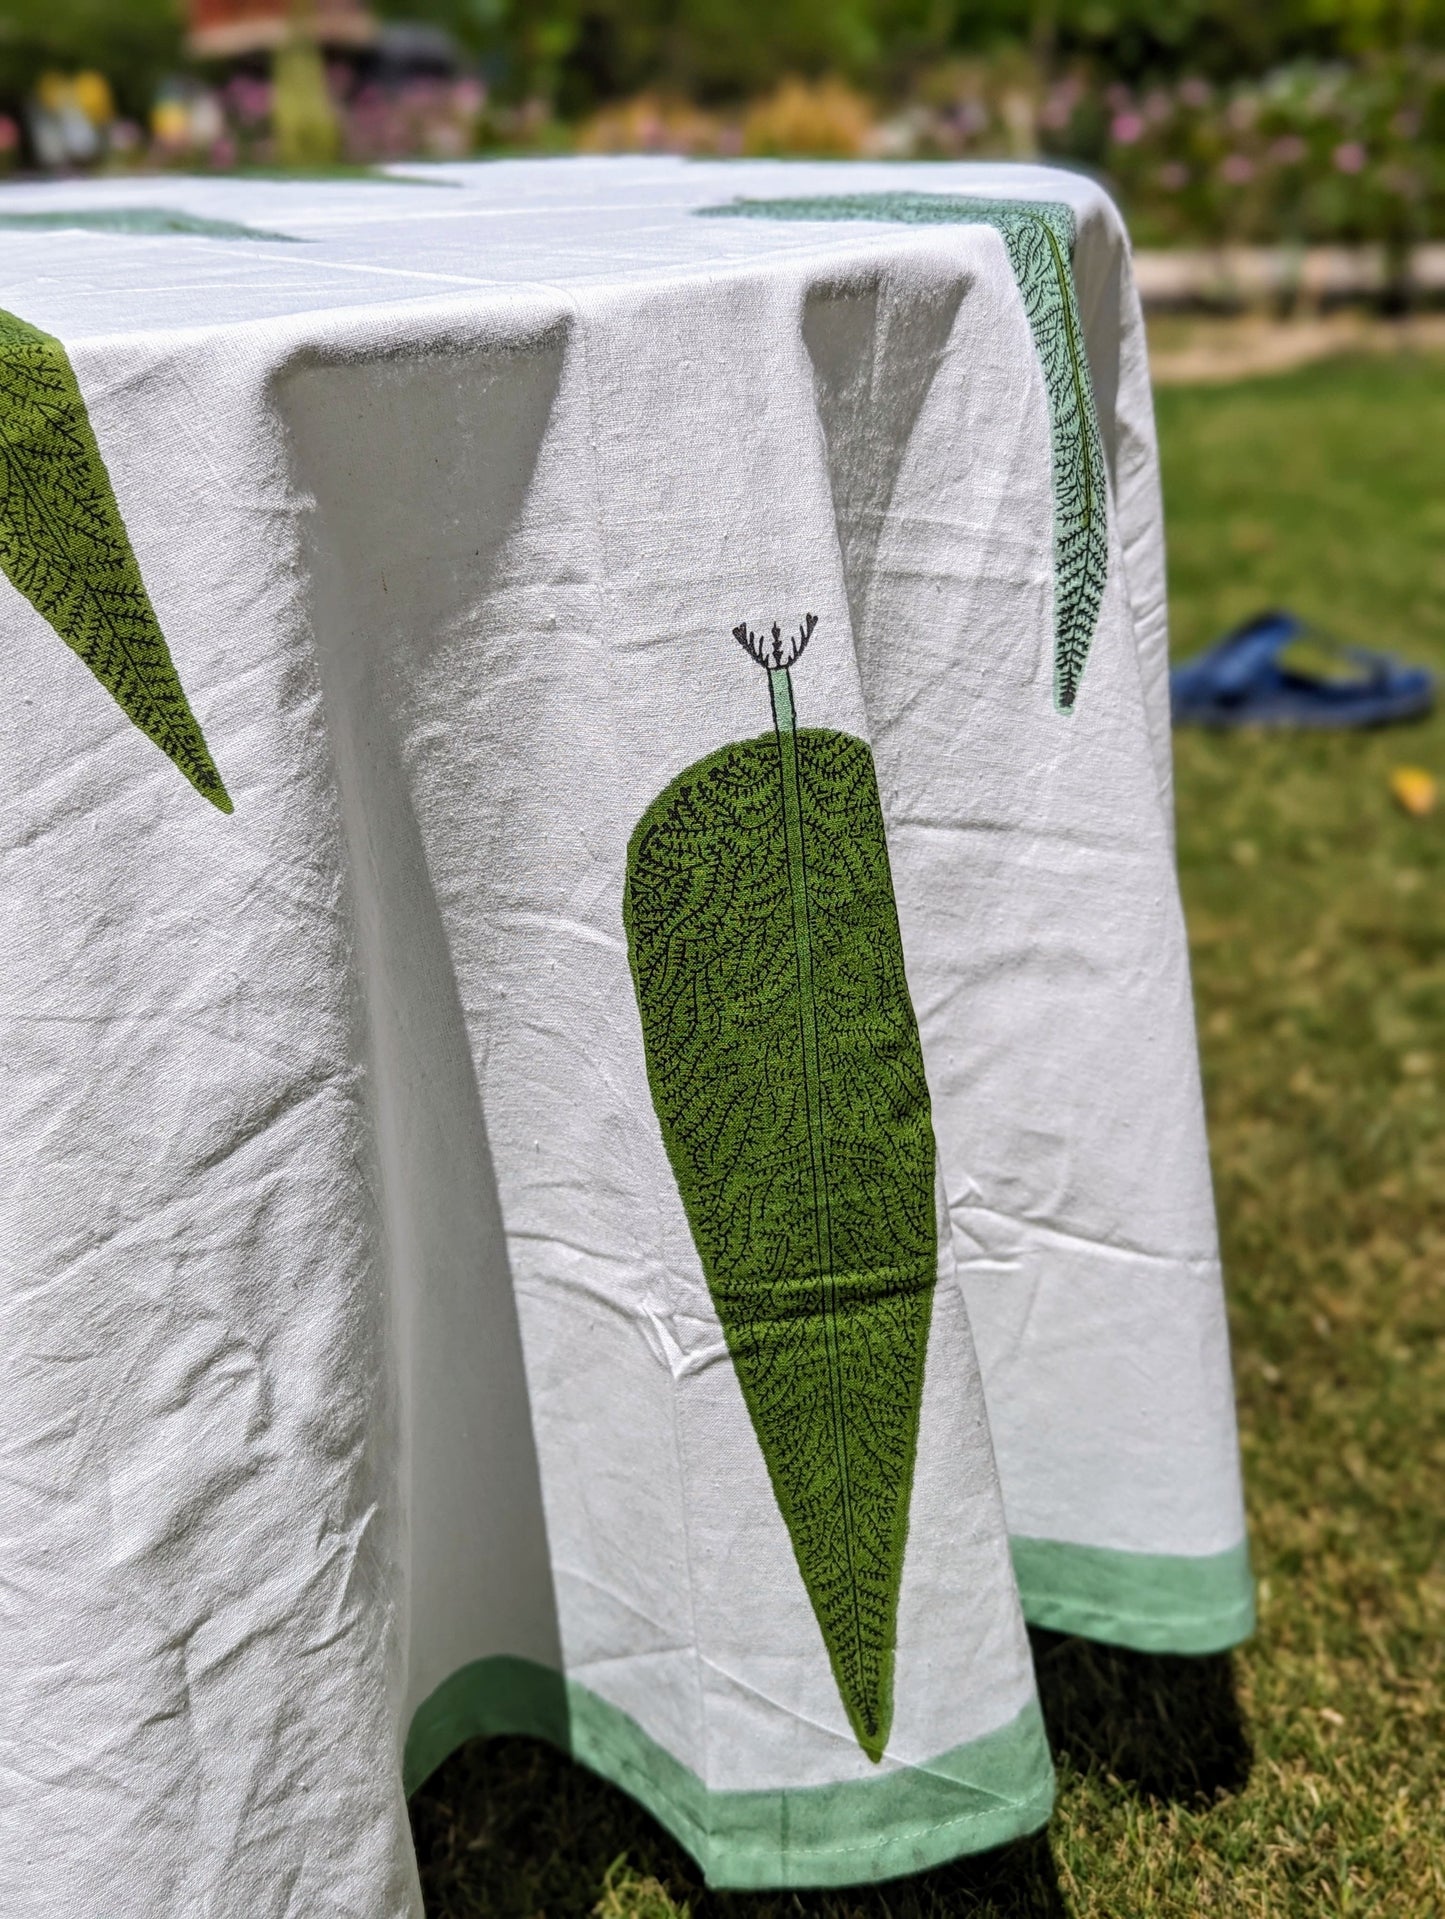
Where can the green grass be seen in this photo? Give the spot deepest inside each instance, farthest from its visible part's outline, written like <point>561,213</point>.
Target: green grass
<point>1304,1776</point>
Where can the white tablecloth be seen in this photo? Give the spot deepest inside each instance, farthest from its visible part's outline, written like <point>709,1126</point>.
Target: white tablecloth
<point>491,1237</point>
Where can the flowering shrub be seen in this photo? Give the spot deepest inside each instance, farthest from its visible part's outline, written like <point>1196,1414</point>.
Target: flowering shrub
<point>235,124</point>
<point>431,119</point>
<point>1312,152</point>
<point>1309,153</point>
<point>826,119</point>
<point>823,118</point>
<point>657,123</point>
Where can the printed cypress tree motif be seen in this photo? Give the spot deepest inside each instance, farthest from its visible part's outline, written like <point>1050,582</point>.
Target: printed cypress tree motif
<point>1039,238</point>
<point>64,545</point>
<point>785,1068</point>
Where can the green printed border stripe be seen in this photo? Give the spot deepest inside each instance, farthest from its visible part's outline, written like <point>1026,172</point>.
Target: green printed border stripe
<point>1152,1602</point>
<point>979,1795</point>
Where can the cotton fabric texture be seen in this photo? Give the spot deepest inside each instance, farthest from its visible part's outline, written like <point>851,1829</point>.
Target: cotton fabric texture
<point>365,1384</point>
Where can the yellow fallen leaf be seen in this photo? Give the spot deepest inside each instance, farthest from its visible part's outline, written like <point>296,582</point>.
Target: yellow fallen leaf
<point>1415,789</point>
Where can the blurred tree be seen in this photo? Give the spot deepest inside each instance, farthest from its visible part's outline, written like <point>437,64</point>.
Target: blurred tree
<point>580,53</point>
<point>1231,38</point>
<point>303,116</point>
<point>477,25</point>
<point>1366,26</point>
<point>133,42</point>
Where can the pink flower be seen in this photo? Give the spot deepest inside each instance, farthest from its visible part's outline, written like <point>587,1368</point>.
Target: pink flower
<point>1237,169</point>
<point>9,134</point>
<point>248,99</point>
<point>1195,93</point>
<point>1173,175</point>
<point>1350,157</point>
<point>1288,150</point>
<point>1126,129</point>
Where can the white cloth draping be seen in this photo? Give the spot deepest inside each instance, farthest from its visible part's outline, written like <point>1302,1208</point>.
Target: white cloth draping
<point>368,1374</point>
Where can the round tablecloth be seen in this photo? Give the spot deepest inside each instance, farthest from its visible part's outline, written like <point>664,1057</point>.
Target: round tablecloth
<point>602,1132</point>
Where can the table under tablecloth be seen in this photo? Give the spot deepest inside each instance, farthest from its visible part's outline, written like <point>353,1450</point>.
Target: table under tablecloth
<point>601,1126</point>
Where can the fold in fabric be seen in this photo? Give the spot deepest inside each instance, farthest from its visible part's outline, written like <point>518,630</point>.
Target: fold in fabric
<point>438,1299</point>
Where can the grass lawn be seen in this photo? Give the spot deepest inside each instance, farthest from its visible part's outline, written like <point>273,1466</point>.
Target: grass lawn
<point>1305,1775</point>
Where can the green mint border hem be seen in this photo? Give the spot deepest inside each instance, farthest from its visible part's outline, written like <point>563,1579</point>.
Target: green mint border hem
<point>1149,1602</point>
<point>979,1795</point>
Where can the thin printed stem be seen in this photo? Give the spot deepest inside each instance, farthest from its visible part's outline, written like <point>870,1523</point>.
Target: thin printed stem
<point>780,686</point>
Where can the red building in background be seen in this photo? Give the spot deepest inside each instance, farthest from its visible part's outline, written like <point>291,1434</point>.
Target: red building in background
<point>231,29</point>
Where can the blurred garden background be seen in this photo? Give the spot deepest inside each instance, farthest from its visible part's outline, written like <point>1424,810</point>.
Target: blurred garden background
<point>1281,157</point>
<point>1292,124</point>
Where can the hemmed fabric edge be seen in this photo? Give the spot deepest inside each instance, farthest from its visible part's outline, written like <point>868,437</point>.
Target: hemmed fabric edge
<point>979,1795</point>
<point>1149,1602</point>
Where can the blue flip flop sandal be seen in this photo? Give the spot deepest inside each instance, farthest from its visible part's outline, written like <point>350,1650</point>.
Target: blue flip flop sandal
<point>1277,671</point>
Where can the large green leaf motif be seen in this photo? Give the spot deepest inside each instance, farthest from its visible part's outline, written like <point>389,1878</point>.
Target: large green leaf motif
<point>785,1068</point>
<point>1039,238</point>
<point>64,545</point>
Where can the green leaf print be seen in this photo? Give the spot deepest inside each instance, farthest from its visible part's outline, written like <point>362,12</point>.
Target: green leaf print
<point>1039,238</point>
<point>784,1063</point>
<point>64,546</point>
<point>139,220</point>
